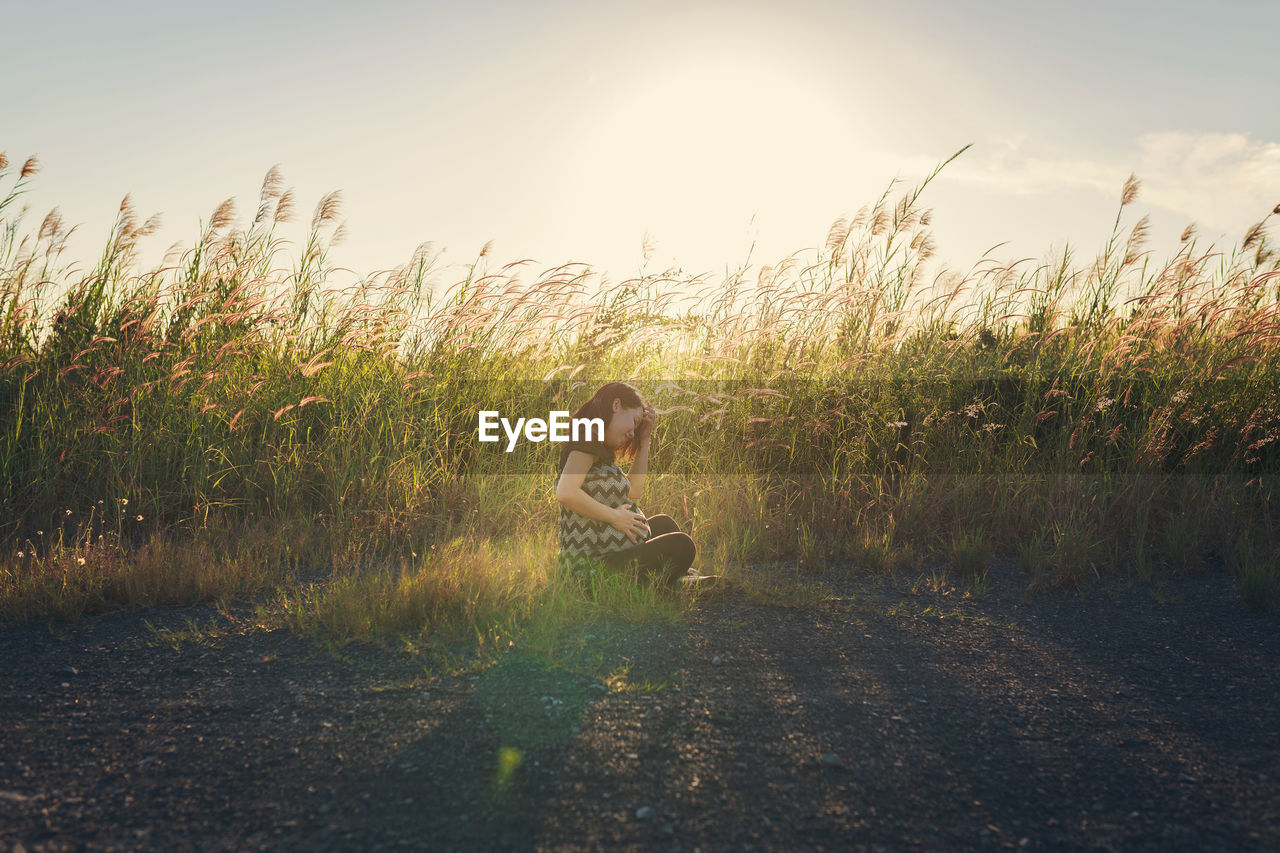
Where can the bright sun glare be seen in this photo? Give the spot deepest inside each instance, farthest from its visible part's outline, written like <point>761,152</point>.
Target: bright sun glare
<point>692,152</point>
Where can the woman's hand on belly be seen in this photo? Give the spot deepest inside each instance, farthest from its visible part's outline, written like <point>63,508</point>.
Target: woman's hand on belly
<point>631,522</point>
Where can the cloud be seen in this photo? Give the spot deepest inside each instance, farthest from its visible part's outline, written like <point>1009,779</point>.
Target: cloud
<point>1010,165</point>
<point>1224,180</point>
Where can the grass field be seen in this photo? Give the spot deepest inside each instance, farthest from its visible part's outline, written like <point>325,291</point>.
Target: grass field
<point>233,423</point>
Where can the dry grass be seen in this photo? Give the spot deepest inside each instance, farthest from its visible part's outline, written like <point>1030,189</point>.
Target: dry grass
<point>841,404</point>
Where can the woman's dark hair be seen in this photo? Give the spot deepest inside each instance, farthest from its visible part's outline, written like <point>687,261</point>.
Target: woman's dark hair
<point>601,406</point>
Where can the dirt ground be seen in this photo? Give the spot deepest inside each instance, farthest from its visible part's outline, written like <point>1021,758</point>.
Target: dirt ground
<point>892,716</point>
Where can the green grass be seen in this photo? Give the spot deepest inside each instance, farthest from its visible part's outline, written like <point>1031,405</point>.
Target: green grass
<point>193,634</point>
<point>1252,559</point>
<point>968,556</point>
<point>232,424</point>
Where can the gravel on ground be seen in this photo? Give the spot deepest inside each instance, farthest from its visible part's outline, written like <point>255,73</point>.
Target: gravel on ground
<point>894,714</point>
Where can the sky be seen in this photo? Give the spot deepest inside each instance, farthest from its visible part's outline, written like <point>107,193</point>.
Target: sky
<point>723,133</point>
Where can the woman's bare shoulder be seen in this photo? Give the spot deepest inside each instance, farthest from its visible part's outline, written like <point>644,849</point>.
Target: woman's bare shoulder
<point>578,462</point>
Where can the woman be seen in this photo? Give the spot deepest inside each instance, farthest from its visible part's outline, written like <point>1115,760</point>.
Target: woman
<point>600,521</point>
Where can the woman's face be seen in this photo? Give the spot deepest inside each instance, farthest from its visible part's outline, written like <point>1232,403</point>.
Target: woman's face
<point>622,425</point>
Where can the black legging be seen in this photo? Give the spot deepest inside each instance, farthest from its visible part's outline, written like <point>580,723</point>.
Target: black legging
<point>667,553</point>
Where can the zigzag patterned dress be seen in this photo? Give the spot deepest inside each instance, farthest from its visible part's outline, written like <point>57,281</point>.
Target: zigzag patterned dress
<point>583,540</point>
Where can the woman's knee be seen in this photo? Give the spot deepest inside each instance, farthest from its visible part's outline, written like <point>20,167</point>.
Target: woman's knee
<point>677,547</point>
<point>670,554</point>
<point>662,524</point>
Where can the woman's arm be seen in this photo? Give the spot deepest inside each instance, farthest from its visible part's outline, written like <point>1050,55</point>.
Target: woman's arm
<point>639,470</point>
<point>640,465</point>
<point>570,493</point>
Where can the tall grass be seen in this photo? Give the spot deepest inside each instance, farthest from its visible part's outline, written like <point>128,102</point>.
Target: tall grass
<point>231,420</point>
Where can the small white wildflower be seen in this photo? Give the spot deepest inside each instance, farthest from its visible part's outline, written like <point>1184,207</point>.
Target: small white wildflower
<point>896,424</point>
<point>124,502</point>
<point>21,555</point>
<point>138,518</point>
<point>1103,403</point>
<point>79,561</point>
<point>66,512</point>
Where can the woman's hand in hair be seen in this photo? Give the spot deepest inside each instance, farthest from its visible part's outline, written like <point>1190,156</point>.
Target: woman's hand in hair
<point>630,521</point>
<point>645,430</point>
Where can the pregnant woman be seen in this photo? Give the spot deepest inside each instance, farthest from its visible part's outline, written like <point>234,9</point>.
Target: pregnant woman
<point>601,523</point>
